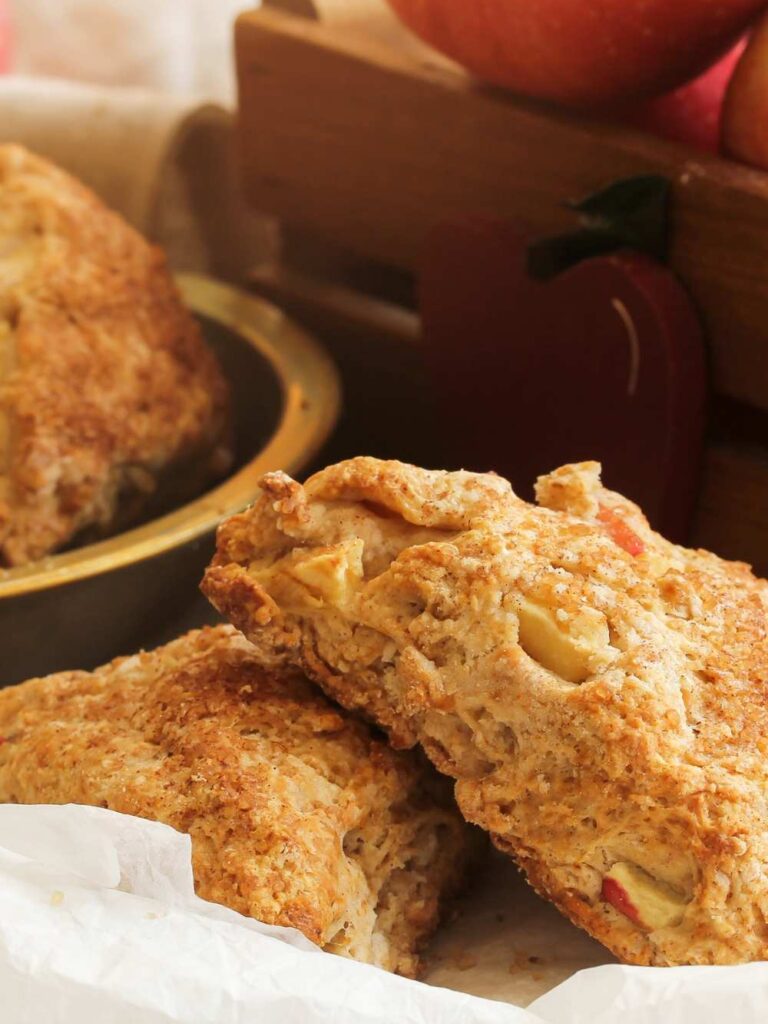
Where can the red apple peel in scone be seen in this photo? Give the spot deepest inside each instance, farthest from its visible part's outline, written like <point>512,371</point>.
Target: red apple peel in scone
<point>643,899</point>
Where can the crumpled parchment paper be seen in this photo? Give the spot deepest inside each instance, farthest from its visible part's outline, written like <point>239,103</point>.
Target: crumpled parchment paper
<point>99,924</point>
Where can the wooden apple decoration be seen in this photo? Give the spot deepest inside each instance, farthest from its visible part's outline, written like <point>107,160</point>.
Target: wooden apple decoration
<point>601,53</point>
<point>745,113</point>
<point>604,361</point>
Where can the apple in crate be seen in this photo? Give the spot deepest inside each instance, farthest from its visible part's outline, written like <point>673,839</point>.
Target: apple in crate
<point>745,113</point>
<point>582,53</point>
<point>692,113</point>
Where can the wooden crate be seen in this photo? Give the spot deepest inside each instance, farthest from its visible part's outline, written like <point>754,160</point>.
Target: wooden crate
<point>355,133</point>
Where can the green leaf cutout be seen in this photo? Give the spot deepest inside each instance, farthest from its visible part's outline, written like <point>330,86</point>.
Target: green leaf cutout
<point>632,213</point>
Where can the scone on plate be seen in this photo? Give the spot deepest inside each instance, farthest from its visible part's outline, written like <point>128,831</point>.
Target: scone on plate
<point>105,381</point>
<point>299,815</point>
<point>598,693</point>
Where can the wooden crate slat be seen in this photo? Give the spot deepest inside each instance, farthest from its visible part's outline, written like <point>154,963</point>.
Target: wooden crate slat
<point>732,518</point>
<point>372,145</point>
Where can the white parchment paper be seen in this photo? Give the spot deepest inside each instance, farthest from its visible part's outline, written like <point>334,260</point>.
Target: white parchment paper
<point>99,924</point>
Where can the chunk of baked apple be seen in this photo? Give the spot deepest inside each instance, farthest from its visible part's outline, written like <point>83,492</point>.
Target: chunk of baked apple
<point>648,902</point>
<point>566,648</point>
<point>332,572</point>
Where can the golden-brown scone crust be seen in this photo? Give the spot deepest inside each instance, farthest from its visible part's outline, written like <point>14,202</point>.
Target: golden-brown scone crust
<point>598,693</point>
<point>299,815</point>
<point>104,378</point>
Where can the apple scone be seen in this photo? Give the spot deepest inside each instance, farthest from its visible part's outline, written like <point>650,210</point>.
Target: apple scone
<point>598,693</point>
<point>298,814</point>
<point>106,384</point>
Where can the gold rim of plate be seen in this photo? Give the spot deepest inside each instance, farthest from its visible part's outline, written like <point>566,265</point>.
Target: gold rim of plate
<point>311,400</point>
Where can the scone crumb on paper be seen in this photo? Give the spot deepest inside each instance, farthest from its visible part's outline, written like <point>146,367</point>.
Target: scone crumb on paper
<point>462,959</point>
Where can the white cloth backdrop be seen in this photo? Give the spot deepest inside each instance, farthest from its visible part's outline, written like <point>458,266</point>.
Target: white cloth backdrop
<point>134,98</point>
<point>178,46</point>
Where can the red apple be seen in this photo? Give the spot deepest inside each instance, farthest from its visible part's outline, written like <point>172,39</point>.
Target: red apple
<point>745,113</point>
<point>600,53</point>
<point>691,114</point>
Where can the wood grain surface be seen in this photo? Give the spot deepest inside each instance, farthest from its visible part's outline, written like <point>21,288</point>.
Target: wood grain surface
<point>352,130</point>
<point>372,144</point>
<point>732,519</point>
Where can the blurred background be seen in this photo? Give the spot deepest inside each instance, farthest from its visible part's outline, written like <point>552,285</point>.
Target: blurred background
<point>387,199</point>
<point>173,46</point>
<point>137,99</point>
